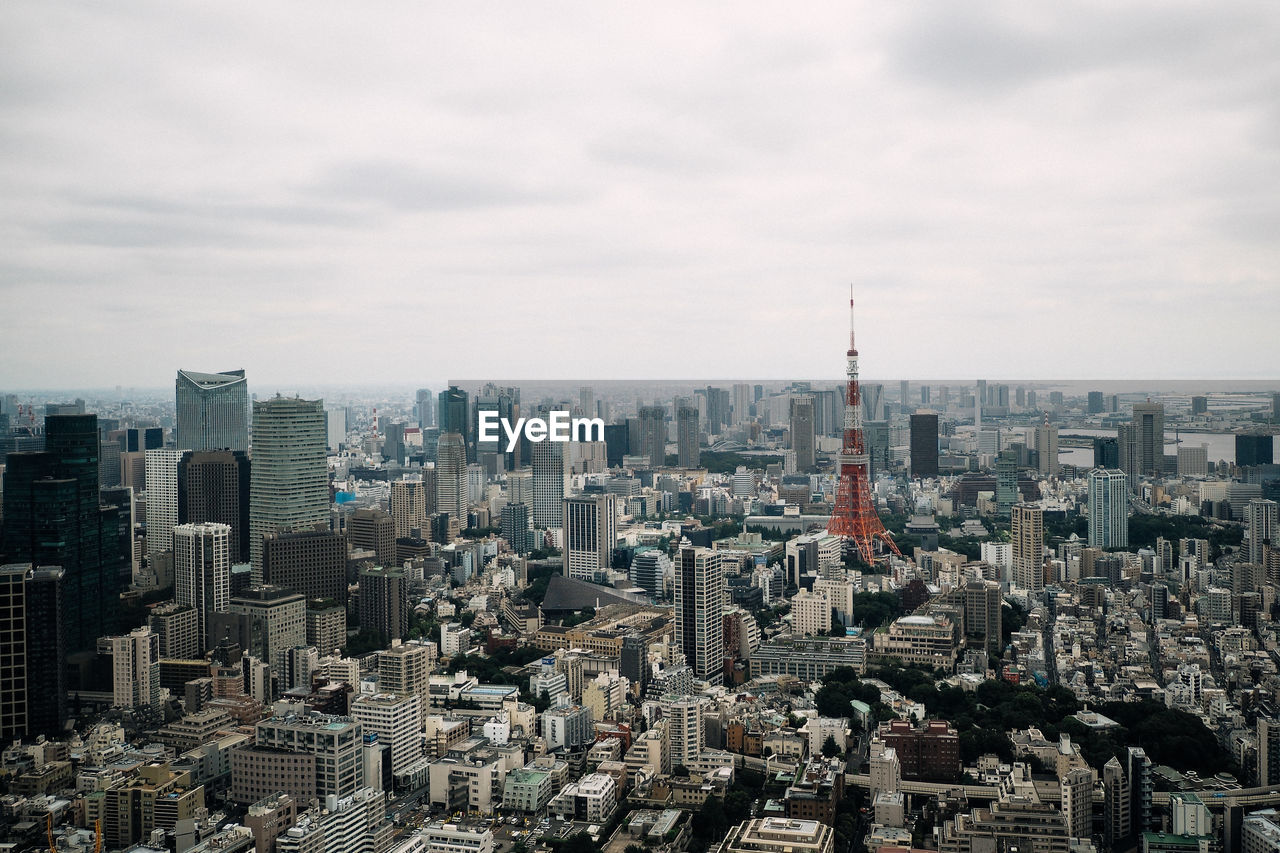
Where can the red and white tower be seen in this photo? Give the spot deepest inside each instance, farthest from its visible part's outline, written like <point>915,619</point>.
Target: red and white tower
<point>855,514</point>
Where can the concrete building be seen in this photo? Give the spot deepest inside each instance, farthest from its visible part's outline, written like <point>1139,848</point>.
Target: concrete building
<point>810,614</point>
<point>927,641</point>
<point>550,483</point>
<point>162,499</point>
<point>335,742</point>
<point>590,534</point>
<point>779,835</point>
<point>202,574</point>
<point>279,617</point>
<point>135,668</point>
<point>1108,508</point>
<point>289,475</point>
<point>396,720</point>
<point>699,611</point>
<point>1028,547</point>
<point>212,410</point>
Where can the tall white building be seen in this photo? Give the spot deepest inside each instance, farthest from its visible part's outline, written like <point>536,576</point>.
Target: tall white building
<point>590,534</point>
<point>699,596</point>
<point>162,498</point>
<point>397,720</point>
<point>1260,519</point>
<point>1108,508</point>
<point>202,572</point>
<point>135,668</point>
<point>1077,802</point>
<point>810,614</point>
<point>685,727</point>
<point>550,479</point>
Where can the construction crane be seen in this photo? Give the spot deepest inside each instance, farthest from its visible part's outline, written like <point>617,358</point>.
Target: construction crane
<point>97,834</point>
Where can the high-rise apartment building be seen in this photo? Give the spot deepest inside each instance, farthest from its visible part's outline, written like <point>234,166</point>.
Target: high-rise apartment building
<point>1108,508</point>
<point>162,499</point>
<point>213,486</point>
<point>687,451</point>
<point>202,574</point>
<point>53,517</point>
<point>1148,438</point>
<point>409,505</point>
<point>590,534</point>
<point>653,435</point>
<point>802,433</point>
<point>451,476</point>
<point>550,481</point>
<point>1260,523</point>
<point>135,668</point>
<point>384,601</point>
<point>33,686</point>
<point>924,445</point>
<point>515,528</point>
<point>213,410</point>
<point>289,477</point>
<point>1046,445</point>
<point>699,622</point>
<point>1028,547</point>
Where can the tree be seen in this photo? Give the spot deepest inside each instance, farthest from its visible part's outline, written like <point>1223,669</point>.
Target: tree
<point>830,749</point>
<point>579,843</point>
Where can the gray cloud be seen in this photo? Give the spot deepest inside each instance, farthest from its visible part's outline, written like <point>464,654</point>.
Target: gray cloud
<point>996,179</point>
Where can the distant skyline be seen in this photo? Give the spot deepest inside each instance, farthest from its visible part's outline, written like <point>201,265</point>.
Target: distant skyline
<point>569,190</point>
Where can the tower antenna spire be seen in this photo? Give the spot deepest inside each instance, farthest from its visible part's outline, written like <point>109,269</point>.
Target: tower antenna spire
<point>855,515</point>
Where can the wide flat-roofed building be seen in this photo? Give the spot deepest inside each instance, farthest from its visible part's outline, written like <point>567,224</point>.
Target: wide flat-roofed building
<point>779,835</point>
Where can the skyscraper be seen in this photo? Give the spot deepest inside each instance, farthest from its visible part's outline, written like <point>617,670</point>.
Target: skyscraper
<point>52,517</point>
<point>202,573</point>
<point>424,408</point>
<point>213,410</point>
<point>409,505</point>
<point>451,476</point>
<point>162,499</point>
<point>455,417</point>
<point>1260,520</point>
<point>1094,406</point>
<point>549,483</point>
<point>741,402</point>
<point>1006,481</point>
<point>802,433</point>
<point>1108,508</point>
<point>289,477</point>
<point>653,436</point>
<point>717,410</point>
<point>312,562</point>
<point>33,685</point>
<point>699,609</point>
<point>1046,443</point>
<point>1028,547</point>
<point>590,534</point>
<point>1148,425</point>
<point>213,486</point>
<point>1255,450</point>
<point>515,527</point>
<point>687,437</point>
<point>924,445</point>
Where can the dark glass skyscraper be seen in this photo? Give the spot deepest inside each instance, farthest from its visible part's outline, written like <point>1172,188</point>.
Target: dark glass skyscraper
<point>213,486</point>
<point>455,417</point>
<point>52,517</point>
<point>924,444</point>
<point>33,686</point>
<point>1255,450</point>
<point>213,410</point>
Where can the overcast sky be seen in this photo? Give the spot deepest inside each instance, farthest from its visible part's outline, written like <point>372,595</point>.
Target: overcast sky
<point>338,192</point>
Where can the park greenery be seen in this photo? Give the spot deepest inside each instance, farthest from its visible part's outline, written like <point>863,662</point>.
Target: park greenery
<point>985,717</point>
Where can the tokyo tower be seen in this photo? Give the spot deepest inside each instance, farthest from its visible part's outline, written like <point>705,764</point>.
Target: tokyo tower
<point>855,514</point>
